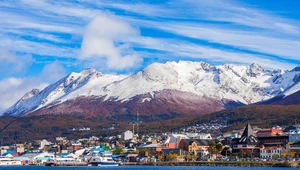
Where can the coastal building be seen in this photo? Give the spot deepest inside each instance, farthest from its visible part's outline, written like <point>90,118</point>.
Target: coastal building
<point>293,147</point>
<point>174,139</point>
<point>152,147</point>
<point>44,143</point>
<point>194,145</point>
<point>270,152</point>
<point>273,140</point>
<point>292,129</point>
<point>248,143</point>
<point>269,132</point>
<point>294,135</point>
<point>199,135</point>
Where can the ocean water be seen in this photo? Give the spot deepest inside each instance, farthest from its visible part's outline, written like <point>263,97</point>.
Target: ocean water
<point>138,168</point>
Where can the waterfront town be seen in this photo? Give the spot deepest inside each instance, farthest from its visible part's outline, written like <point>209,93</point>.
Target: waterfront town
<point>184,145</point>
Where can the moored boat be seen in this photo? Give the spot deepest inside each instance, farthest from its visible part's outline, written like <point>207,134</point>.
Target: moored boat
<point>102,159</point>
<point>6,161</point>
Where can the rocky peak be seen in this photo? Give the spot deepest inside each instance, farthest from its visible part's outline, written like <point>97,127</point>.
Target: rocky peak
<point>255,70</point>
<point>28,95</point>
<point>296,68</point>
<point>88,71</point>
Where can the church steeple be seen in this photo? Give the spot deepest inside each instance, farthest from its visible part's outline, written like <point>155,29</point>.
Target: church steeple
<point>248,136</point>
<point>248,131</point>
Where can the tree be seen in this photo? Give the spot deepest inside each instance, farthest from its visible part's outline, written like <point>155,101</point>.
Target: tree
<point>175,156</point>
<point>219,147</point>
<point>275,156</point>
<point>283,155</point>
<point>172,156</point>
<point>188,157</point>
<point>160,157</point>
<point>143,152</point>
<point>212,148</point>
<point>292,154</point>
<point>118,151</point>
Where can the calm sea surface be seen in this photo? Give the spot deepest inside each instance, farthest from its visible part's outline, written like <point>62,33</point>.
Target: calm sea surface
<point>137,168</point>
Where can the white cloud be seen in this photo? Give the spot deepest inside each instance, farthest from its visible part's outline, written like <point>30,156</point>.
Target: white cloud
<point>235,24</point>
<point>39,48</point>
<point>249,40</point>
<point>53,72</point>
<point>103,38</point>
<point>12,89</point>
<point>10,63</point>
<point>213,55</point>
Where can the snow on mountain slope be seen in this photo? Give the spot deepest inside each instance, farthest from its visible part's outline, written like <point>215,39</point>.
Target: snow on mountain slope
<point>295,88</point>
<point>55,93</point>
<point>237,83</point>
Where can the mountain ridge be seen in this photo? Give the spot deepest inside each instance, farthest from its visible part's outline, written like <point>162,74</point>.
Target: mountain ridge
<point>234,84</point>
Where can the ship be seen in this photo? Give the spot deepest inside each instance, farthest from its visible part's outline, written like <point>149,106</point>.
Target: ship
<point>102,159</point>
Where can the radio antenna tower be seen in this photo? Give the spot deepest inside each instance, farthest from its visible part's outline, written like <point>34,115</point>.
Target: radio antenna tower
<point>136,122</point>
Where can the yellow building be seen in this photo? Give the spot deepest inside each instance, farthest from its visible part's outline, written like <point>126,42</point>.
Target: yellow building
<point>193,145</point>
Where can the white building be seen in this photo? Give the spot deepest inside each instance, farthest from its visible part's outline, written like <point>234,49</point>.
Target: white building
<point>175,139</point>
<point>294,135</point>
<point>127,135</point>
<point>198,135</point>
<point>269,152</point>
<point>202,153</point>
<point>204,136</point>
<point>44,143</point>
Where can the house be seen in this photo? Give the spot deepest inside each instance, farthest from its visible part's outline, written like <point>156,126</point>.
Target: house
<point>10,152</point>
<point>193,145</point>
<point>64,149</point>
<point>178,151</point>
<point>174,139</point>
<point>294,135</point>
<point>44,143</point>
<point>273,140</point>
<point>293,147</point>
<point>199,135</point>
<point>204,136</point>
<point>292,129</point>
<point>36,157</point>
<point>270,152</point>
<point>20,149</point>
<point>269,132</point>
<point>248,143</point>
<point>153,148</point>
<point>76,146</point>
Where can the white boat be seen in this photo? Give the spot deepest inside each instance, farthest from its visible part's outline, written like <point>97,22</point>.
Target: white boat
<point>102,159</point>
<point>6,161</point>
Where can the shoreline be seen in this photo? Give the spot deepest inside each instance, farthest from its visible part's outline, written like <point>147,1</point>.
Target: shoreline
<point>216,163</point>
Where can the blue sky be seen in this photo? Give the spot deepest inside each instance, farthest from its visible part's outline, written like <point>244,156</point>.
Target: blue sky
<point>42,40</point>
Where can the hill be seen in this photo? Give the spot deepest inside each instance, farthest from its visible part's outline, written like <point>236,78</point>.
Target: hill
<point>260,115</point>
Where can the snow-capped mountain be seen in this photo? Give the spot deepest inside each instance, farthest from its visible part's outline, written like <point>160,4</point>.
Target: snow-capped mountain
<point>172,87</point>
<point>87,79</point>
